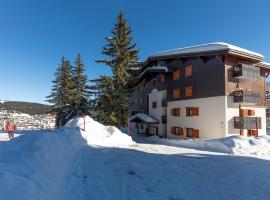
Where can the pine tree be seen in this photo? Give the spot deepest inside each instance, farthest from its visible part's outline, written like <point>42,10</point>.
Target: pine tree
<point>81,93</point>
<point>61,92</point>
<point>122,58</point>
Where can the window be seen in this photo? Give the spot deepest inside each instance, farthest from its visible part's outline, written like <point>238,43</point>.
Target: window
<point>177,130</point>
<point>154,104</point>
<point>141,126</point>
<point>136,101</point>
<point>188,70</point>
<point>192,111</point>
<point>189,91</point>
<point>162,78</point>
<point>176,74</point>
<point>193,133</point>
<point>164,119</point>
<point>154,83</point>
<point>176,93</point>
<point>153,130</point>
<point>175,112</point>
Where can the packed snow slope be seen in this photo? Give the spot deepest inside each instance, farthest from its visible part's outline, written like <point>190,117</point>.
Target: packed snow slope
<point>102,163</point>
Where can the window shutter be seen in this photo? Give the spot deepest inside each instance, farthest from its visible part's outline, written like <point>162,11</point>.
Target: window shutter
<point>172,112</point>
<point>176,74</point>
<point>195,111</point>
<point>173,130</point>
<point>189,91</point>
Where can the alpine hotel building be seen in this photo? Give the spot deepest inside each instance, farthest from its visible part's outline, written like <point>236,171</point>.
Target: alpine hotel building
<point>208,91</point>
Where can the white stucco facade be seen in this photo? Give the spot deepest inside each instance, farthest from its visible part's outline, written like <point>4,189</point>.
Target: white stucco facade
<point>211,119</point>
<point>215,119</point>
<point>159,111</point>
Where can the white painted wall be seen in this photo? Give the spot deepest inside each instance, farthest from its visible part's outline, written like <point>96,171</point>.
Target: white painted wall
<point>233,111</point>
<point>157,112</point>
<point>211,119</point>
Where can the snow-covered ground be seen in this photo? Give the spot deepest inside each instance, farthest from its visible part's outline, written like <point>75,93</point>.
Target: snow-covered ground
<point>103,163</point>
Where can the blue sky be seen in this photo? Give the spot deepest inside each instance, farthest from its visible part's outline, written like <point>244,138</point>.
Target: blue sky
<point>34,35</point>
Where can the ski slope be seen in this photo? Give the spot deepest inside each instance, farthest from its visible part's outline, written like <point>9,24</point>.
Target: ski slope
<point>103,163</point>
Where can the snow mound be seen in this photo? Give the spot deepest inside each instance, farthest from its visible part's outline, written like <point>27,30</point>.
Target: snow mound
<point>32,166</point>
<point>96,133</point>
<point>235,145</point>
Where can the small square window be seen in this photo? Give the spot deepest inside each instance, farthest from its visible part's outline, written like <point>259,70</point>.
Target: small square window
<point>177,130</point>
<point>192,111</point>
<point>154,104</point>
<point>175,112</point>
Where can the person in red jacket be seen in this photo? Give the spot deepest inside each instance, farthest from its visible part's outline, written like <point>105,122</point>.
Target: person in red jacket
<point>10,129</point>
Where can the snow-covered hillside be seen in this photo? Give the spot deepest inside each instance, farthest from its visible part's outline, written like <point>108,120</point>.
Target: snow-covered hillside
<point>103,163</point>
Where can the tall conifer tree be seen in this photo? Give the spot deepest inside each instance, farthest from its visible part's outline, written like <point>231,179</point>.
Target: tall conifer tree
<point>80,96</point>
<point>122,57</point>
<point>61,92</point>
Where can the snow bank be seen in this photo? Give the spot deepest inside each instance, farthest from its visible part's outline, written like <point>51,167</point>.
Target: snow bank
<point>32,166</point>
<point>235,145</point>
<point>96,133</point>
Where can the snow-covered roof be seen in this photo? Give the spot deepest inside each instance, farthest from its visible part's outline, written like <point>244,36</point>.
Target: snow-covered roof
<point>209,48</point>
<point>263,64</point>
<point>153,69</point>
<point>144,118</point>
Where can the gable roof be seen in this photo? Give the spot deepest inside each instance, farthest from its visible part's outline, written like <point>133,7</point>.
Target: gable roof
<point>207,49</point>
<point>142,117</point>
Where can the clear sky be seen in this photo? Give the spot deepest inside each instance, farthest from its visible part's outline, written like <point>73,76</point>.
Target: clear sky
<point>34,35</point>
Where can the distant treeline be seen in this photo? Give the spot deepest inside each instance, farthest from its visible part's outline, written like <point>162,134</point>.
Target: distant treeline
<point>25,107</point>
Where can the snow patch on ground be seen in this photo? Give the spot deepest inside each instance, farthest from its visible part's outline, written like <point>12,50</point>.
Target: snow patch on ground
<point>235,145</point>
<point>96,133</point>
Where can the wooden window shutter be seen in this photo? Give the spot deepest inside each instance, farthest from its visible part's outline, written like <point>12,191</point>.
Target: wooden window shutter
<point>181,131</point>
<point>177,112</point>
<point>172,112</point>
<point>176,74</point>
<point>173,130</point>
<point>188,70</point>
<point>195,133</point>
<point>195,111</point>
<point>189,91</point>
<point>176,93</point>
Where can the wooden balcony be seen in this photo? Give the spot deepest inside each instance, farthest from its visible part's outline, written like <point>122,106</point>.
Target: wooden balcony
<point>245,72</point>
<point>247,123</point>
<point>246,97</point>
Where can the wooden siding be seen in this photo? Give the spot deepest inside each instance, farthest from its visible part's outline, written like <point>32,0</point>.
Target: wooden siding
<point>232,84</point>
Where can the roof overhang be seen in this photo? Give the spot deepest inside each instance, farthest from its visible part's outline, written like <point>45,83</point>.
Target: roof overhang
<point>263,65</point>
<point>154,69</point>
<point>142,117</point>
<point>207,50</point>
